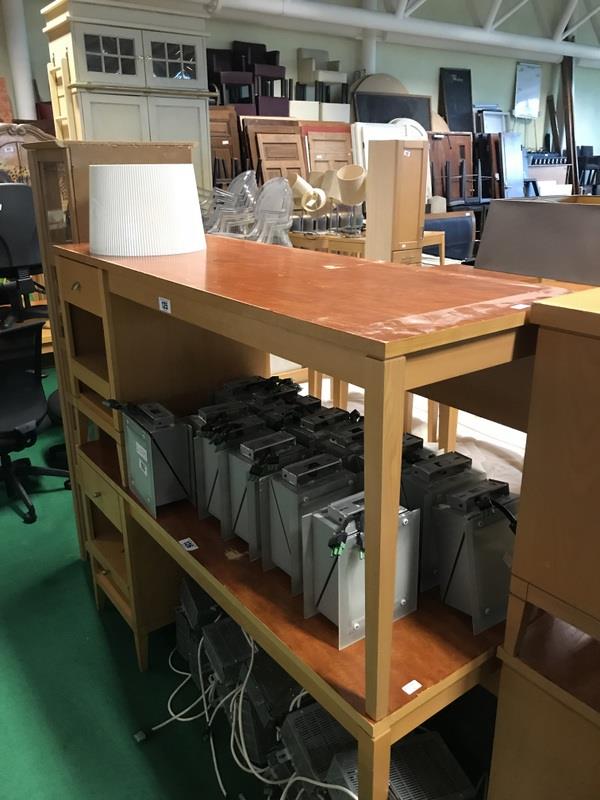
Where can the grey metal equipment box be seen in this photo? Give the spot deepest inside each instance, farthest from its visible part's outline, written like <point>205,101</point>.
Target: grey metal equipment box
<point>475,544</point>
<point>312,738</point>
<point>267,698</point>
<point>158,448</point>
<point>421,768</point>
<point>425,483</point>
<point>250,471</point>
<point>335,584</point>
<point>215,457</point>
<point>300,490</point>
<point>227,649</point>
<point>203,424</point>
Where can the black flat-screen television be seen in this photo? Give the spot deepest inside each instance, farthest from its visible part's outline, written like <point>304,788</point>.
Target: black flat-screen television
<point>380,107</point>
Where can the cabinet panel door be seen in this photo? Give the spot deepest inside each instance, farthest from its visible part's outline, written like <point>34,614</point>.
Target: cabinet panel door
<point>106,55</point>
<point>174,61</point>
<point>329,150</point>
<point>114,118</point>
<point>176,119</point>
<point>281,155</point>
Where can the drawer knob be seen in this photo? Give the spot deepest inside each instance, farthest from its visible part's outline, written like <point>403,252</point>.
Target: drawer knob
<point>104,572</point>
<point>76,286</point>
<point>97,494</point>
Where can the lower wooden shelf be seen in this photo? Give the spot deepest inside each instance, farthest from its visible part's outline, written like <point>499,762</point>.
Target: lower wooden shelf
<point>564,655</point>
<point>434,646</point>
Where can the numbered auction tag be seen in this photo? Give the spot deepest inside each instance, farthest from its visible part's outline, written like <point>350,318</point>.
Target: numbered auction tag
<point>188,544</point>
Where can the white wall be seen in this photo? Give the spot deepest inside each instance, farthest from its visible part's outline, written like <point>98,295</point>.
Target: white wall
<point>587,107</point>
<point>38,44</point>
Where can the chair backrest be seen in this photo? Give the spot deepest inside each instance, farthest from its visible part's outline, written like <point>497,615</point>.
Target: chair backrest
<point>244,185</point>
<point>275,197</point>
<point>13,156</point>
<point>21,351</point>
<point>19,245</point>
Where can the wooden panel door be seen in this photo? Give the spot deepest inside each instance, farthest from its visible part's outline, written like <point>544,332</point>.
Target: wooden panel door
<point>175,119</point>
<point>255,125</point>
<point>224,136</point>
<point>329,150</point>
<point>281,155</point>
<point>452,147</point>
<point>114,117</point>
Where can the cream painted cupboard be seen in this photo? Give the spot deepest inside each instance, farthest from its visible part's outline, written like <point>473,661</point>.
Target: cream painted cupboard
<point>131,71</point>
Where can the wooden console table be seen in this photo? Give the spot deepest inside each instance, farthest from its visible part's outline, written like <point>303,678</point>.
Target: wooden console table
<point>385,329</point>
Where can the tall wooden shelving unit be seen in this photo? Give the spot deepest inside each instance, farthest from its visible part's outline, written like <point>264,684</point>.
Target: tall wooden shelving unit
<point>230,308</point>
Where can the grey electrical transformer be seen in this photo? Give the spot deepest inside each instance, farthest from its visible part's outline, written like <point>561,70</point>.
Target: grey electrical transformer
<point>203,424</point>
<point>312,738</point>
<point>215,457</point>
<point>421,768</point>
<point>158,450</point>
<point>474,530</point>
<point>251,468</point>
<point>295,494</point>
<point>425,483</point>
<point>334,549</point>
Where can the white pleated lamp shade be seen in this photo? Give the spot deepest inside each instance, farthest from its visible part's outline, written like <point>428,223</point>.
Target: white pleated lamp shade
<point>144,210</point>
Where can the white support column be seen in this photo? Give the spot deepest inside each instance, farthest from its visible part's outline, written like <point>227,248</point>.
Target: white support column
<point>18,57</point>
<point>369,42</point>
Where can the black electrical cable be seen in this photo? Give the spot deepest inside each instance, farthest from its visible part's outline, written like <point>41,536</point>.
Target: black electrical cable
<point>326,584</point>
<point>512,520</point>
<point>454,565</point>
<point>172,469</point>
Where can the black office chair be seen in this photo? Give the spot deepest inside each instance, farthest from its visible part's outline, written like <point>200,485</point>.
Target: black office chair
<point>23,406</point>
<point>19,254</point>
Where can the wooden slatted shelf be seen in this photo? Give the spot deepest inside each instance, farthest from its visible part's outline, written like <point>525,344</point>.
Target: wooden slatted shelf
<point>431,646</point>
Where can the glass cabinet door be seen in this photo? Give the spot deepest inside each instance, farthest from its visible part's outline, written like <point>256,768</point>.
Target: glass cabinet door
<point>174,61</point>
<point>106,55</point>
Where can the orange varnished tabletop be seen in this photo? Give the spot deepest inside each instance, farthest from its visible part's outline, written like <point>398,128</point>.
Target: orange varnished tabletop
<point>379,309</point>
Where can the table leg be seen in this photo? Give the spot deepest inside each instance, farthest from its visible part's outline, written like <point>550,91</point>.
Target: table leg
<point>339,395</point>
<point>374,766</point>
<point>141,649</point>
<point>518,617</point>
<point>448,425</point>
<point>315,383</point>
<point>384,423</point>
<point>408,411</point>
<point>433,410</point>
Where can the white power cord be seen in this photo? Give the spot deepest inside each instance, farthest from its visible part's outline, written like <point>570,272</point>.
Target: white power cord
<point>237,736</point>
<point>320,784</point>
<point>297,700</point>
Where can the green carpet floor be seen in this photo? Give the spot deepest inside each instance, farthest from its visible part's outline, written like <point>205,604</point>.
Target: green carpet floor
<point>71,695</point>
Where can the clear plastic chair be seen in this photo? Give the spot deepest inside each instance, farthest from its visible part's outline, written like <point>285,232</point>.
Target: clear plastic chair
<point>269,220</point>
<point>219,203</point>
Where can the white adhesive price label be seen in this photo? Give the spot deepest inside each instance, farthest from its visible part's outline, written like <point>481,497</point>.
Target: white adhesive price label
<point>411,687</point>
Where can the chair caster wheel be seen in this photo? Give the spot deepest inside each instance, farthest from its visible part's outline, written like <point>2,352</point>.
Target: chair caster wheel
<point>30,517</point>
